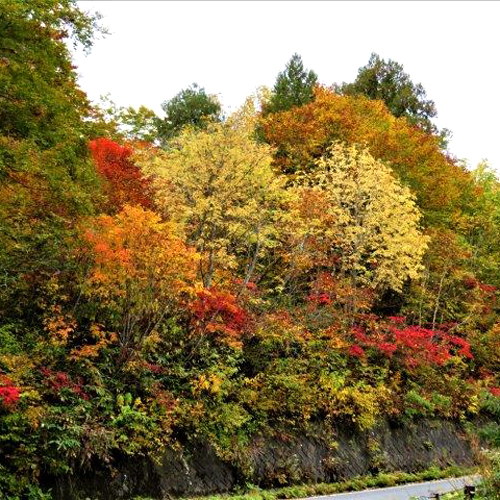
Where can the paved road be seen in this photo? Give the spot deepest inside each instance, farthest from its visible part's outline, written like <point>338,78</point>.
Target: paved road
<point>405,492</point>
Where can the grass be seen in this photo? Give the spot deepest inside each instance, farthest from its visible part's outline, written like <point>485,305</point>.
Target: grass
<point>457,495</point>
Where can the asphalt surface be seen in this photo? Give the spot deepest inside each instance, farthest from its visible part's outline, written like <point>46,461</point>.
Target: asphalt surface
<point>408,491</point>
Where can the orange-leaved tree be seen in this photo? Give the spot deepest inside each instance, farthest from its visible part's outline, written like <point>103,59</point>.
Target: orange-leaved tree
<point>303,134</point>
<point>141,272</point>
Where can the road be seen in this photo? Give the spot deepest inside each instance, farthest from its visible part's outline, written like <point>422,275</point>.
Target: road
<point>405,492</point>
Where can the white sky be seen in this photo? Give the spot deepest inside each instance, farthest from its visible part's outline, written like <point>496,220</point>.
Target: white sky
<point>157,48</point>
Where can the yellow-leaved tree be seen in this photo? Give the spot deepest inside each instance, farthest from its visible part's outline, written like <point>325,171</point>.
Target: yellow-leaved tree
<point>363,221</point>
<point>219,184</point>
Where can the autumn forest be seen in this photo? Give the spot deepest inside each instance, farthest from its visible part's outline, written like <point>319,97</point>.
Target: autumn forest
<point>318,255</point>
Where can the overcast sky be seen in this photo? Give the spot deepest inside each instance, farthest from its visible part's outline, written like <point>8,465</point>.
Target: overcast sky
<point>157,48</point>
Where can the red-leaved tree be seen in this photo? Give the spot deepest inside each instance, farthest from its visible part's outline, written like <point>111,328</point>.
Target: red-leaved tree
<point>126,184</point>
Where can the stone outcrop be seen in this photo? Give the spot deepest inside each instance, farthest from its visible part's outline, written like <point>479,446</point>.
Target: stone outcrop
<point>274,462</point>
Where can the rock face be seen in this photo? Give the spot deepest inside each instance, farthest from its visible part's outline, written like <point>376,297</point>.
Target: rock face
<point>274,462</point>
<point>386,448</point>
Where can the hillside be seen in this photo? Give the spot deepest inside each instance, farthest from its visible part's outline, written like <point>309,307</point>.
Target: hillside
<point>315,261</point>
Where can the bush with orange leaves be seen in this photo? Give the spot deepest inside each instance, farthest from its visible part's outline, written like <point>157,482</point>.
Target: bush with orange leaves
<point>141,272</point>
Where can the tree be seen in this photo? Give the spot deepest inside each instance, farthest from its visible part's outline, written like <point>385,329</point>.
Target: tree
<point>219,183</point>
<point>294,87</point>
<point>140,272</point>
<point>302,135</point>
<point>128,123</point>
<point>388,82</point>
<point>39,98</point>
<point>372,235</point>
<point>125,183</point>
<point>46,176</point>
<point>191,106</point>
<point>483,225</point>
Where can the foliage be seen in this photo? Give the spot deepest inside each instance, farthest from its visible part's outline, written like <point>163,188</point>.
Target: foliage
<point>46,176</point>
<point>40,100</point>
<point>9,393</point>
<point>410,345</point>
<point>222,288</point>
<point>372,234</point>
<point>482,223</point>
<point>293,87</point>
<point>126,183</point>
<point>141,272</point>
<point>220,185</point>
<point>303,134</point>
<point>489,487</point>
<point>190,107</point>
<point>126,123</point>
<point>218,312</point>
<point>386,80</point>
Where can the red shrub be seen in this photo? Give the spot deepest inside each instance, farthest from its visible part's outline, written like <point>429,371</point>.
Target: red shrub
<point>321,299</point>
<point>57,381</point>
<point>356,351</point>
<point>470,283</point>
<point>412,345</point>
<point>9,393</point>
<point>489,289</point>
<point>218,312</point>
